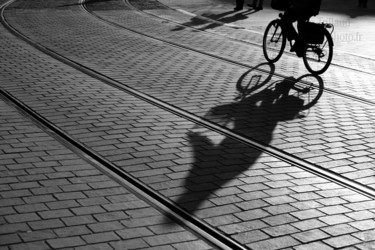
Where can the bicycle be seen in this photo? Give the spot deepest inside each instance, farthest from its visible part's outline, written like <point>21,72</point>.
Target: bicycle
<point>317,55</point>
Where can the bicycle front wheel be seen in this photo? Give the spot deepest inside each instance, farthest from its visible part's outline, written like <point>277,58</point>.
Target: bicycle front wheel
<point>318,57</point>
<point>273,41</point>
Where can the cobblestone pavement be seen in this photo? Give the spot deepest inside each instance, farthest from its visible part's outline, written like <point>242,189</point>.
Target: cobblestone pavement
<point>337,134</point>
<point>53,199</point>
<point>353,34</point>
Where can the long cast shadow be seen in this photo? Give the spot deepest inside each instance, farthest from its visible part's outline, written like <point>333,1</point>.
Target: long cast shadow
<point>260,106</point>
<point>214,20</point>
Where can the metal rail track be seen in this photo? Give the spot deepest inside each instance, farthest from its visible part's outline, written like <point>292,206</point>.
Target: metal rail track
<point>210,233</point>
<point>199,227</point>
<point>333,64</point>
<point>314,168</point>
<point>227,60</point>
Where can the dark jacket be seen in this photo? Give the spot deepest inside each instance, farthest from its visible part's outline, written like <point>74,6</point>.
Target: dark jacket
<point>306,7</point>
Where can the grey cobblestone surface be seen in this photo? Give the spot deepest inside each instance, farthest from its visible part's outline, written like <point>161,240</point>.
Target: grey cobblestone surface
<point>335,122</point>
<point>41,207</point>
<point>200,14</point>
<point>257,199</point>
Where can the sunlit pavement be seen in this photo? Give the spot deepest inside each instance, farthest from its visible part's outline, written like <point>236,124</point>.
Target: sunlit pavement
<point>139,103</point>
<point>353,33</point>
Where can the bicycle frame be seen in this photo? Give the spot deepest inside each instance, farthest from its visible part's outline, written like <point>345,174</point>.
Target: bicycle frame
<point>316,43</point>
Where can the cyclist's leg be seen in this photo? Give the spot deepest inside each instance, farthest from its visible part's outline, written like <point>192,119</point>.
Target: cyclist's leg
<point>287,24</point>
<point>299,44</point>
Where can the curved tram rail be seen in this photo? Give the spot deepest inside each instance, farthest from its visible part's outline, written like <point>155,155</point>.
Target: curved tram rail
<point>224,59</point>
<point>259,45</point>
<point>198,226</point>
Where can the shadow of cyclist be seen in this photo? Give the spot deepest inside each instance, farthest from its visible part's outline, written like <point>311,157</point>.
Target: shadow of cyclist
<point>209,20</point>
<point>220,159</point>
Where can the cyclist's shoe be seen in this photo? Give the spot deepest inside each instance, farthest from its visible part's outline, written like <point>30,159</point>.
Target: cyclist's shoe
<point>298,48</point>
<point>300,52</point>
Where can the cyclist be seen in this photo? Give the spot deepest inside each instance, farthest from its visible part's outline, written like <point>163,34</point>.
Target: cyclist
<point>300,11</point>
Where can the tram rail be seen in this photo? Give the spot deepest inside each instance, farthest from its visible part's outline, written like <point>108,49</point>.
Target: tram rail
<point>216,237</point>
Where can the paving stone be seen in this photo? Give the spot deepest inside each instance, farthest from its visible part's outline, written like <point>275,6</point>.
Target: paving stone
<point>39,199</point>
<point>105,226</point>
<point>25,217</point>
<point>222,220</point>
<point>364,224</point>
<point>31,245</point>
<point>280,219</point>
<point>310,236</point>
<point>37,235</point>
<point>199,245</point>
<point>248,205</point>
<point>363,205</point>
<point>134,233</point>
<point>66,242</point>
<point>275,243</point>
<point>100,237</point>
<point>70,196</point>
<point>16,193</point>
<point>277,231</point>
<point>335,219</point>
<point>361,215</point>
<point>249,237</point>
<point>341,241</point>
<point>99,246</point>
<point>86,210</point>
<point>280,209</point>
<point>366,245</point>
<point>228,209</point>
<point>243,227</point>
<point>169,238</point>
<point>58,213</point>
<point>129,244</point>
<point>111,216</point>
<point>72,231</point>
<point>78,220</point>
<point>339,229</point>
<point>280,200</point>
<point>252,214</point>
<point>366,236</point>
<point>306,196</point>
<point>145,212</point>
<point>10,202</point>
<point>30,208</point>
<point>9,239</point>
<point>6,211</point>
<point>331,201</point>
<point>13,228</point>
<point>143,221</point>
<point>314,246</point>
<point>308,214</point>
<point>308,224</point>
<point>58,205</point>
<point>46,224</point>
<point>334,209</point>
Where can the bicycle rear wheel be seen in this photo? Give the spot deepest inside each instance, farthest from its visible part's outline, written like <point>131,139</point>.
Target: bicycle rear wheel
<point>318,57</point>
<point>273,41</point>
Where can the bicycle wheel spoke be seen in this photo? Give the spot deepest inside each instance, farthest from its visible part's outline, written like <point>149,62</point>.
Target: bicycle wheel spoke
<point>273,42</point>
<point>317,57</point>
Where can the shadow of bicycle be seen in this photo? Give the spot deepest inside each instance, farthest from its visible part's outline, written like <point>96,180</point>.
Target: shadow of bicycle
<point>262,102</point>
